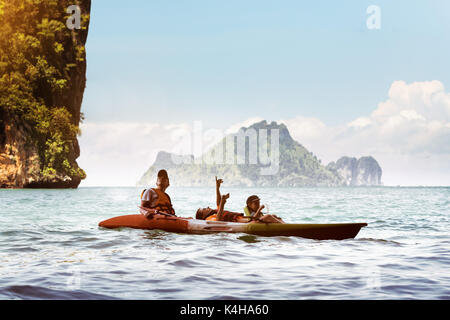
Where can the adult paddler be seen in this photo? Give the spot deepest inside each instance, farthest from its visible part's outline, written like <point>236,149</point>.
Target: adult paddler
<point>156,200</point>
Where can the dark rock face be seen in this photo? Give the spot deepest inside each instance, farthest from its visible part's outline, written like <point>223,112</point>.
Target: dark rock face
<point>21,156</point>
<point>364,171</point>
<point>19,161</point>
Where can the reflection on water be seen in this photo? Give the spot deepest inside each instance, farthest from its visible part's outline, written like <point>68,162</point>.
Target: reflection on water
<point>249,238</point>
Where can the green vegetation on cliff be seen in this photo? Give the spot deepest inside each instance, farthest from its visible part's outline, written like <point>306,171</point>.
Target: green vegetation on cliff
<point>39,61</point>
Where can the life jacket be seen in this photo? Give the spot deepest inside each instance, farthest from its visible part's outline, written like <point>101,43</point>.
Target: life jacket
<point>226,216</point>
<point>163,202</point>
<point>247,212</point>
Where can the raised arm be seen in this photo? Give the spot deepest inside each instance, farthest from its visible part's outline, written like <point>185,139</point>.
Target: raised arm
<point>258,213</point>
<point>223,200</point>
<point>218,196</point>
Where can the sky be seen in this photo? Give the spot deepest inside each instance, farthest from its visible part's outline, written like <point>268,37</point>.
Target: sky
<point>155,68</point>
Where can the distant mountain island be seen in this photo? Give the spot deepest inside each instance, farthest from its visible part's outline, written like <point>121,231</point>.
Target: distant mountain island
<point>263,154</point>
<point>364,171</point>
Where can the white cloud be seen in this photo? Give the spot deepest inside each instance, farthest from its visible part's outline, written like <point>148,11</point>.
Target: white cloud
<point>411,127</point>
<point>305,128</point>
<point>360,122</point>
<point>118,153</point>
<point>428,99</point>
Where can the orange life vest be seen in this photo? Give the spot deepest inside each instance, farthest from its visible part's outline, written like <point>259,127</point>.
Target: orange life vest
<point>227,216</point>
<point>163,202</point>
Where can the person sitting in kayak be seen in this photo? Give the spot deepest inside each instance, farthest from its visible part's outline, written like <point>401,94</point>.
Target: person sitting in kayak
<point>156,200</point>
<point>254,209</point>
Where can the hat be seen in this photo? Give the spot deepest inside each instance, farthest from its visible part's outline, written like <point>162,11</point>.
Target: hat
<point>252,198</point>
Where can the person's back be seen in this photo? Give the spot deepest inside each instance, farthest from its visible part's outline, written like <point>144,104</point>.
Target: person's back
<point>154,200</point>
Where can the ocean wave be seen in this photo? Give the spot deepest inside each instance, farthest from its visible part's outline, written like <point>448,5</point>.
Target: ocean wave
<point>28,292</point>
<point>380,241</point>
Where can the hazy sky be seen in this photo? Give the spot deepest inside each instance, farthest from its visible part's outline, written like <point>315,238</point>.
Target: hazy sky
<point>158,66</point>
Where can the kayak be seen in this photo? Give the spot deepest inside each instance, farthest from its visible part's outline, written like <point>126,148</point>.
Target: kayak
<point>335,231</point>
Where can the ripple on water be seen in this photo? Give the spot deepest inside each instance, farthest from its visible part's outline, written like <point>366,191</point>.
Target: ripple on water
<point>22,249</point>
<point>187,263</point>
<point>105,244</point>
<point>35,292</point>
<point>381,241</point>
<point>22,233</point>
<point>224,297</point>
<point>208,280</point>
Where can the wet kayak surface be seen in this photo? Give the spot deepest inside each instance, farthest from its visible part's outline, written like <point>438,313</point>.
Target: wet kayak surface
<point>52,248</point>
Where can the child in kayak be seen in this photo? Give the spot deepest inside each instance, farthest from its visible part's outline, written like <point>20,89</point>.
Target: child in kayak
<point>221,215</point>
<point>254,209</point>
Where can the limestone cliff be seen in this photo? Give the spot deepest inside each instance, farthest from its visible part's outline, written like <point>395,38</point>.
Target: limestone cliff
<point>42,81</point>
<point>364,171</point>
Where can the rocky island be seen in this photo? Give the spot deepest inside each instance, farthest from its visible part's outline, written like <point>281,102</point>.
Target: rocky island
<point>42,81</point>
<point>364,171</point>
<point>295,166</point>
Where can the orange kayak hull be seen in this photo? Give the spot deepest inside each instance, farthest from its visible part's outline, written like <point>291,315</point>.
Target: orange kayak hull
<point>138,221</point>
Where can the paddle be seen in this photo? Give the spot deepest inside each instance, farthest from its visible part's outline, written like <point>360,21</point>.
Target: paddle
<point>155,211</point>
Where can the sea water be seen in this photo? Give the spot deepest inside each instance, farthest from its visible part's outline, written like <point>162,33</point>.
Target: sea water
<point>52,248</point>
